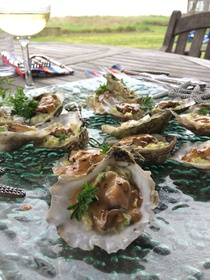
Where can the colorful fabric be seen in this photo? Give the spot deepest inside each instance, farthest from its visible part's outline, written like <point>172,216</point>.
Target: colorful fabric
<point>115,69</point>
<point>40,66</point>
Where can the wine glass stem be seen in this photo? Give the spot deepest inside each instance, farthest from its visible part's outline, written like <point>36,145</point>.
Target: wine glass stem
<point>24,41</point>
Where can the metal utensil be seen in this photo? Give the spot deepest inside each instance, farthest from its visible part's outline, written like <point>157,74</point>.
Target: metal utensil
<point>7,191</point>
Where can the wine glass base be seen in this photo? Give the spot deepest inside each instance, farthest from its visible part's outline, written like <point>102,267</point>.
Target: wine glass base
<point>7,71</point>
<point>27,88</point>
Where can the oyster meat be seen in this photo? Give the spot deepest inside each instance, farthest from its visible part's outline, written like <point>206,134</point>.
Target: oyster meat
<point>49,106</point>
<point>197,119</point>
<point>154,148</point>
<point>194,155</point>
<point>65,132</point>
<point>124,198</point>
<point>177,105</point>
<point>148,124</point>
<point>78,162</point>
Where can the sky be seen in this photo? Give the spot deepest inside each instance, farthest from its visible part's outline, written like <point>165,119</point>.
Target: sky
<point>62,8</point>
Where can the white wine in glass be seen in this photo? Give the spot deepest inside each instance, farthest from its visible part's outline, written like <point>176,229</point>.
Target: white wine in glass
<point>24,18</point>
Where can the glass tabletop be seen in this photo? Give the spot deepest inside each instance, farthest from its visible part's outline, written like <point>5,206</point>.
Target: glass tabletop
<point>175,245</point>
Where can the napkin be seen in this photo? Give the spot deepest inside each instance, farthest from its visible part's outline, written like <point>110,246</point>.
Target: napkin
<point>115,69</point>
<point>41,65</point>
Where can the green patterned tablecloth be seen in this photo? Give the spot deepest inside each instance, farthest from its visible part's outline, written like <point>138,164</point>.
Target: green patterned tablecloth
<point>175,245</point>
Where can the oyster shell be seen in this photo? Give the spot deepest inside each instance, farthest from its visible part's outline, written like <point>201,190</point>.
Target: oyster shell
<point>155,148</point>
<point>177,105</point>
<point>194,155</point>
<point>14,135</point>
<point>148,124</point>
<point>49,106</point>
<point>65,132</point>
<point>116,99</point>
<point>197,119</point>
<point>102,230</point>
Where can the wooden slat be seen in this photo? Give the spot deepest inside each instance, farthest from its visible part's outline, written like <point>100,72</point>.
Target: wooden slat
<point>169,38</point>
<point>207,52</point>
<point>195,49</point>
<point>192,22</point>
<point>181,43</point>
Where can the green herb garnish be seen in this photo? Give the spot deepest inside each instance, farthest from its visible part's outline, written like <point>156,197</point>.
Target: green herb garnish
<point>105,147</point>
<point>84,198</point>
<point>122,81</point>
<point>61,136</point>
<point>6,88</point>
<point>2,129</point>
<point>147,103</point>
<point>101,89</point>
<point>22,105</point>
<point>203,111</point>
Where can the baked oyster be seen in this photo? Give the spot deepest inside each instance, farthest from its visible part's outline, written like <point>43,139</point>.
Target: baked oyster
<point>177,105</point>
<point>154,148</point>
<point>116,99</point>
<point>14,135</point>
<point>194,155</point>
<point>197,119</point>
<point>148,124</point>
<point>49,106</point>
<point>123,196</point>
<point>66,132</point>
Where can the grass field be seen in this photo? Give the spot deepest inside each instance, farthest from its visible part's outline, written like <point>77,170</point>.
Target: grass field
<point>145,32</point>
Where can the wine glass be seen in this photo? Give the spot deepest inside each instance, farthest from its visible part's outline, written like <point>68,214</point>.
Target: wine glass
<point>24,18</point>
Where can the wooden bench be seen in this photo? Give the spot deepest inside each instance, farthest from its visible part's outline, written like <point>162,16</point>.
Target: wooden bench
<point>176,37</point>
